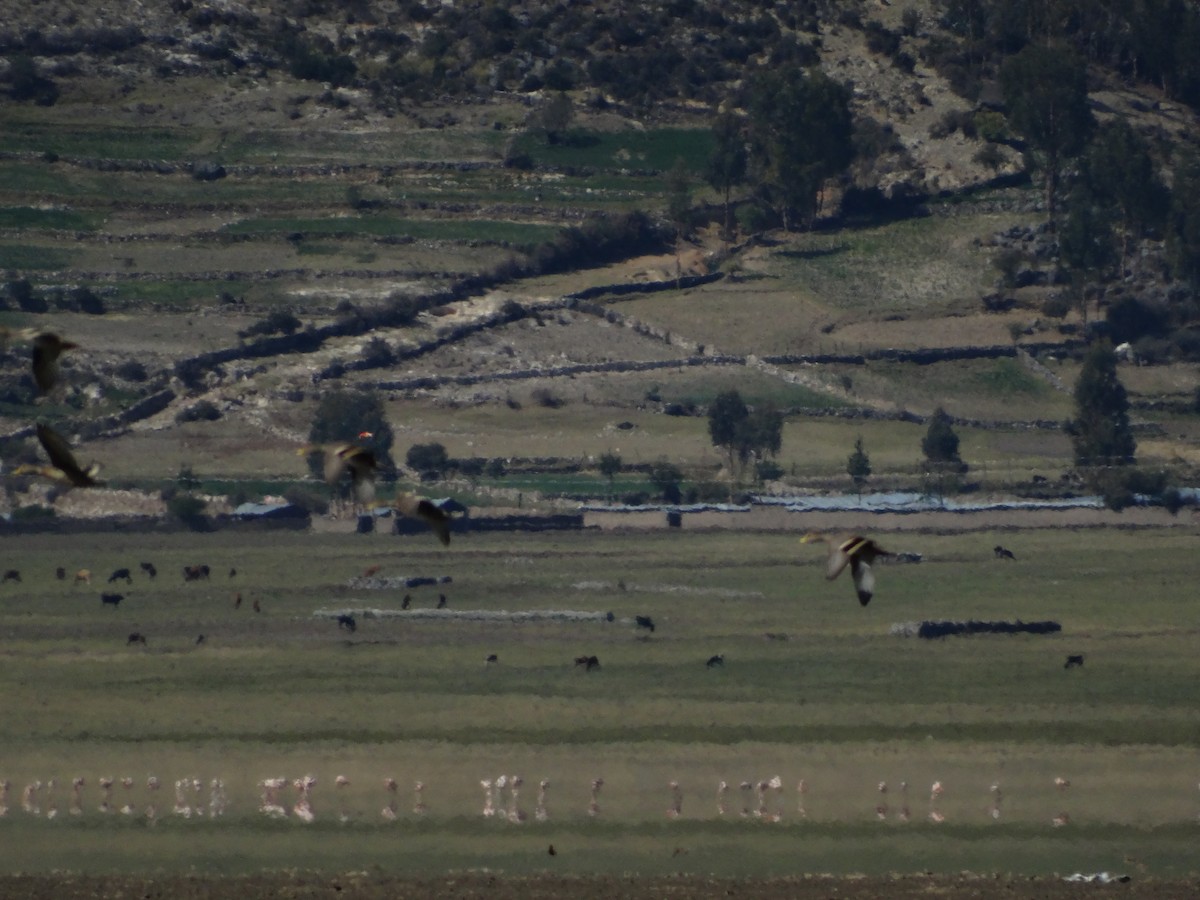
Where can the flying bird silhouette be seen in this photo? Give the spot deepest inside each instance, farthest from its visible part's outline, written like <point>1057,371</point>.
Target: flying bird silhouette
<point>855,551</point>
<point>426,510</point>
<point>47,347</point>
<point>63,467</point>
<point>340,458</point>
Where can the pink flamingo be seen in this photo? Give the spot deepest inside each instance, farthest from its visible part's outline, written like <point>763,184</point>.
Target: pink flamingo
<point>675,810</point>
<point>389,810</point>
<point>594,805</point>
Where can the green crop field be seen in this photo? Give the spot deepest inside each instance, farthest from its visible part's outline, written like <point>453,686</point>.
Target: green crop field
<point>813,688</point>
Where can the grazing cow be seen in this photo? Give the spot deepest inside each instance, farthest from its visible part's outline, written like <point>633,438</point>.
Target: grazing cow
<point>370,571</point>
<point>406,602</point>
<point>149,569</point>
<point>1003,552</point>
<point>195,573</point>
<point>136,637</point>
<point>83,575</point>
<point>1073,661</point>
<point>347,622</point>
<point>441,601</point>
<point>119,574</point>
<point>232,573</point>
<point>199,640</point>
<point>111,599</point>
<point>714,661</point>
<point>257,608</point>
<point>60,573</point>
<point>237,600</point>
<point>12,575</point>
<point>588,662</point>
<point>645,622</point>
<point>492,658</point>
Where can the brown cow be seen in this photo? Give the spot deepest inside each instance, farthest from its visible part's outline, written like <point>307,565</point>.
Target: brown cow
<point>84,576</point>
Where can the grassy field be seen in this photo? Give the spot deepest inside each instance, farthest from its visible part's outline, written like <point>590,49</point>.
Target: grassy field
<point>813,687</point>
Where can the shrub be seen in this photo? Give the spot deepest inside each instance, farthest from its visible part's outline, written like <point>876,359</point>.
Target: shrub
<point>544,397</point>
<point>278,322</point>
<point>430,457</point>
<point>378,353</point>
<point>132,370</point>
<point>87,301</point>
<point>189,509</point>
<point>204,411</point>
<point>989,155</point>
<point>1056,306</point>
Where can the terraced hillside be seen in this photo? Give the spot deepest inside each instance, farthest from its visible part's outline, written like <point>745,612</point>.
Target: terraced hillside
<point>238,239</point>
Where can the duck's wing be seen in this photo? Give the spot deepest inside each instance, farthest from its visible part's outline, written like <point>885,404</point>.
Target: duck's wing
<point>431,514</point>
<point>864,580</point>
<point>61,457</point>
<point>838,560</point>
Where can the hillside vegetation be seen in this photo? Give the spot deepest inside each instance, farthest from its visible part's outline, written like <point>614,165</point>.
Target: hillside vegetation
<point>236,208</point>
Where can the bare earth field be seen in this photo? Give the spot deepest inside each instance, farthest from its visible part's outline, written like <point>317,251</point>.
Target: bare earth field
<point>362,886</point>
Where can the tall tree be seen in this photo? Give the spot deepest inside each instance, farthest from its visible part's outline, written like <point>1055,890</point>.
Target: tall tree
<point>727,164</point>
<point>1086,244</point>
<point>858,466</point>
<point>666,476</point>
<point>940,444</point>
<point>1100,431</point>
<point>1121,174</point>
<point>1045,91</point>
<point>1183,223</point>
<point>801,132</point>
<point>742,433</point>
<point>679,197</point>
<point>610,466</point>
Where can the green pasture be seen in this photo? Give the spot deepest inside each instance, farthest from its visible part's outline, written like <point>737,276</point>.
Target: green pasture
<point>813,687</point>
<point>26,256</point>
<point>658,148</point>
<point>37,219</point>
<point>392,226</point>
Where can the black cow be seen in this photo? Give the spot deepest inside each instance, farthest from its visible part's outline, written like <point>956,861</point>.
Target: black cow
<point>1003,552</point>
<point>136,638</point>
<point>492,658</point>
<point>119,574</point>
<point>232,573</point>
<point>111,599</point>
<point>1073,661</point>
<point>588,662</point>
<point>714,661</point>
<point>195,573</point>
<point>347,622</point>
<point>60,573</point>
<point>406,602</point>
<point>645,622</point>
<point>149,569</point>
<point>199,640</point>
<point>12,575</point>
<point>441,604</point>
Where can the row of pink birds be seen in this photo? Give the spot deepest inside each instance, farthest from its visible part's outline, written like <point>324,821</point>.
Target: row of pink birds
<point>293,798</point>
